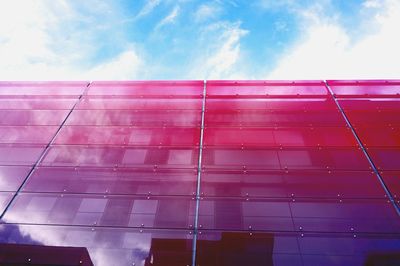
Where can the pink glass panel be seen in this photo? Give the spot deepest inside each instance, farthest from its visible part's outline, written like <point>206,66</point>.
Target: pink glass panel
<point>298,183</point>
<point>37,103</point>
<point>32,117</point>
<point>27,134</point>
<point>312,158</point>
<point>370,104</point>
<point>107,135</point>
<point>316,215</point>
<point>265,88</point>
<point>43,88</point>
<point>384,136</point>
<point>275,137</point>
<point>257,118</point>
<point>98,210</point>
<point>11,154</point>
<point>139,104</point>
<point>114,156</point>
<point>112,181</point>
<point>107,245</point>
<point>170,118</point>
<point>11,177</point>
<point>147,88</point>
<point>274,104</point>
<point>373,117</point>
<point>364,88</point>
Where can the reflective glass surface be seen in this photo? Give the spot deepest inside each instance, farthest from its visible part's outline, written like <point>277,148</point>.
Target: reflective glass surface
<point>107,173</point>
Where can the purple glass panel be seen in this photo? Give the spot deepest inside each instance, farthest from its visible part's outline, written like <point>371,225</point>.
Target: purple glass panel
<point>392,180</point>
<point>37,103</point>
<point>258,118</point>
<point>170,118</point>
<point>147,88</point>
<point>139,104</point>
<point>27,134</point>
<point>365,88</point>
<point>109,246</point>
<point>5,198</point>
<point>216,248</point>
<point>312,158</point>
<point>298,183</point>
<point>112,181</point>
<point>113,156</point>
<point>266,88</point>
<point>107,135</point>
<point>43,88</point>
<point>102,210</point>
<point>11,177</point>
<point>385,159</point>
<point>318,215</point>
<point>11,154</point>
<point>32,117</point>
<point>277,137</point>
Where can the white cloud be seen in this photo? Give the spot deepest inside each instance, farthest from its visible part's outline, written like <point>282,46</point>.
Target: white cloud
<point>147,8</point>
<point>43,40</point>
<point>205,12</point>
<point>170,18</point>
<point>221,57</point>
<point>328,51</point>
<point>126,65</point>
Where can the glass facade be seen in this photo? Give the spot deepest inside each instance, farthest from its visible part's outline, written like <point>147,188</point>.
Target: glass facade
<point>200,173</point>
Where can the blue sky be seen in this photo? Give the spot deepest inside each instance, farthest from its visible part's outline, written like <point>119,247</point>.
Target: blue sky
<point>192,39</point>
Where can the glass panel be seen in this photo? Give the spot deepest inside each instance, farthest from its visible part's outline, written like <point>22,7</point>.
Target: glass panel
<point>114,156</point>
<point>265,88</point>
<point>20,154</point>
<point>112,181</point>
<point>11,177</point>
<point>275,104</point>
<point>147,88</point>
<point>215,248</point>
<point>257,118</point>
<point>106,135</point>
<point>27,134</point>
<point>5,198</point>
<point>102,210</point>
<point>170,118</point>
<point>37,103</point>
<point>364,88</point>
<point>379,136</point>
<point>392,180</point>
<point>383,118</point>
<point>32,117</point>
<point>105,246</point>
<point>336,215</point>
<point>276,137</point>
<point>312,158</point>
<point>139,104</point>
<point>297,183</point>
<point>43,88</point>
<point>385,159</point>
<point>370,104</point>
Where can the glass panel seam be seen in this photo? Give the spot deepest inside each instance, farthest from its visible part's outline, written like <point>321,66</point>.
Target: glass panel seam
<point>38,161</point>
<point>364,150</point>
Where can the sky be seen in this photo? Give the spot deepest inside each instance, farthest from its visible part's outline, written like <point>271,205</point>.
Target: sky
<point>194,39</point>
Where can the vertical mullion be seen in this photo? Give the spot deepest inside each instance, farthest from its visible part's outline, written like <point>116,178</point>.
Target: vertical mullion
<point>196,218</point>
